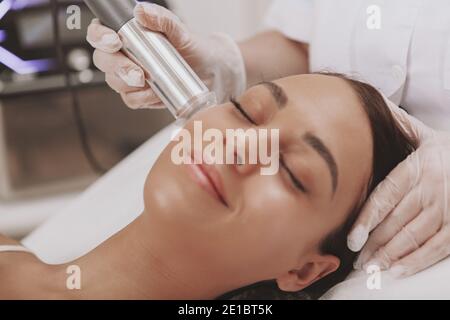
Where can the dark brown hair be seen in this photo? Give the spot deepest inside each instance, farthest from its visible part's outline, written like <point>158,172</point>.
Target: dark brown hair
<point>390,147</point>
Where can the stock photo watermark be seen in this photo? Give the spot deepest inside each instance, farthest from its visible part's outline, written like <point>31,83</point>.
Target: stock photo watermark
<point>251,146</point>
<point>73,21</point>
<point>73,281</point>
<point>373,22</point>
<point>374,17</point>
<point>374,277</point>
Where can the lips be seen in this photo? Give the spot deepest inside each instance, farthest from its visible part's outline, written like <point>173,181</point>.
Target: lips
<point>208,177</point>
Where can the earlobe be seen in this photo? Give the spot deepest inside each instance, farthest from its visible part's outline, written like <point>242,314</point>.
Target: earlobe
<point>314,270</point>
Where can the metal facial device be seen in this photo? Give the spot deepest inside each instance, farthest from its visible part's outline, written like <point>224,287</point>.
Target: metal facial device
<point>168,74</point>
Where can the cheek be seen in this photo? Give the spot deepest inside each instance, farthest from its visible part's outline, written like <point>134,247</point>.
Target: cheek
<point>160,187</point>
<point>169,189</point>
<point>171,195</point>
<point>277,223</point>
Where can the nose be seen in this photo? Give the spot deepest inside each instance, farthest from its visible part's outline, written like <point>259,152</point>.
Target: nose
<point>243,165</point>
<point>244,152</point>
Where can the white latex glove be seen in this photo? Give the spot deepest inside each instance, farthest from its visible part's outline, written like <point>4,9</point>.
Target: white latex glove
<point>408,214</point>
<point>216,59</point>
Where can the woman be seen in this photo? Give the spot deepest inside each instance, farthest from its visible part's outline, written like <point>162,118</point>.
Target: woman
<point>198,240</point>
<point>401,47</point>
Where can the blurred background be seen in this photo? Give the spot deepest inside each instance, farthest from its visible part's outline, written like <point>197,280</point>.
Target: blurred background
<point>56,141</point>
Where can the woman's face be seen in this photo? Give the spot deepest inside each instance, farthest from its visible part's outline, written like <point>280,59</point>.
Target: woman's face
<point>269,226</point>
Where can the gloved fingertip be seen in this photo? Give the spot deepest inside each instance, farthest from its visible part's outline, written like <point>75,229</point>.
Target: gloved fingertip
<point>143,9</point>
<point>357,238</point>
<point>142,99</point>
<point>110,41</point>
<point>132,77</point>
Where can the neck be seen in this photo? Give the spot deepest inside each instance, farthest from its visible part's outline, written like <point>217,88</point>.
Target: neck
<point>141,263</point>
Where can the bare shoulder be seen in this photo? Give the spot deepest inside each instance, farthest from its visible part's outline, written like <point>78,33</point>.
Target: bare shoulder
<point>15,269</point>
<point>8,262</point>
<point>22,275</point>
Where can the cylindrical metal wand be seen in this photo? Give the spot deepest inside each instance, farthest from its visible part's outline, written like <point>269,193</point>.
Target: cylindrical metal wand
<point>168,74</point>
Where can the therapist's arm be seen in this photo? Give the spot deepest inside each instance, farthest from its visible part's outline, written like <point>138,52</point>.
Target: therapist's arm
<point>270,55</point>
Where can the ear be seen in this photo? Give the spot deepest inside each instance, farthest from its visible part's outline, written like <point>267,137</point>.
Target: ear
<point>313,270</point>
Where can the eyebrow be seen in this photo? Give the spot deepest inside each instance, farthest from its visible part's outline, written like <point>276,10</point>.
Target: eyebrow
<point>317,144</point>
<point>277,92</point>
<point>312,140</point>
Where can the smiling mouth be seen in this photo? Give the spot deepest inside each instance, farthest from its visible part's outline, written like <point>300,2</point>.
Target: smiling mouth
<point>209,180</point>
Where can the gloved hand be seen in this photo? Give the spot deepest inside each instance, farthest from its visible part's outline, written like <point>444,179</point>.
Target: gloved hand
<point>216,59</point>
<point>409,212</point>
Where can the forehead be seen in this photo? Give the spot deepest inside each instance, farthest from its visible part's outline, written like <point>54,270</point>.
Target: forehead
<point>329,107</point>
<point>324,94</point>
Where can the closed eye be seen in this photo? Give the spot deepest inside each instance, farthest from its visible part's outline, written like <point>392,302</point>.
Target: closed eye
<point>296,182</point>
<point>238,106</point>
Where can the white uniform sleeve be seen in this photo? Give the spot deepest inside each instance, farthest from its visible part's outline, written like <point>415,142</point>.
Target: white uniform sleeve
<point>293,18</point>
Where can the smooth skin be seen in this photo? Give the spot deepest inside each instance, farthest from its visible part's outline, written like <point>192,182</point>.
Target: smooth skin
<point>189,245</point>
<point>404,226</point>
